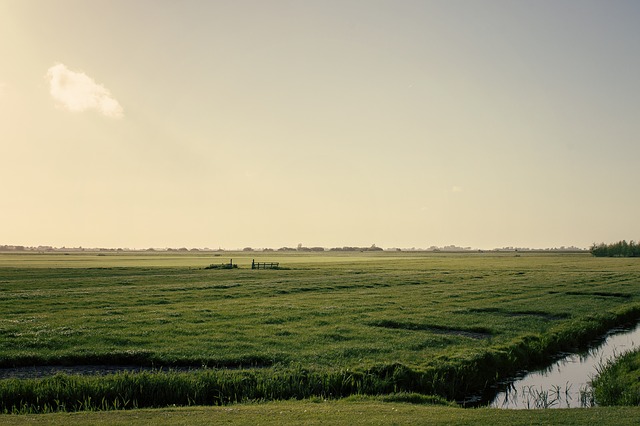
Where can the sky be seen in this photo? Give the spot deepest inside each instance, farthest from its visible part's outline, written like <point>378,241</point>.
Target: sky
<point>269,123</point>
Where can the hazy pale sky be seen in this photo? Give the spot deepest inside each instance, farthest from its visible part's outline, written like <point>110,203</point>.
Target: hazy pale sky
<point>270,123</point>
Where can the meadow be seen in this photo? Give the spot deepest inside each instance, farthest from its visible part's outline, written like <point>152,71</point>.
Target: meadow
<point>331,325</point>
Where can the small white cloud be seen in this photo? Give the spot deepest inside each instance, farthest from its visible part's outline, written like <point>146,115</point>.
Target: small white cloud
<point>76,91</point>
<point>456,189</point>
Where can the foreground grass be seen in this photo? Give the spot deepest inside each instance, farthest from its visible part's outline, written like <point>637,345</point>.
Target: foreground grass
<point>618,382</point>
<point>332,325</point>
<point>365,412</point>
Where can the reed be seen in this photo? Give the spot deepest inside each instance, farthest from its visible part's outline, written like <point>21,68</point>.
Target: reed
<point>618,381</point>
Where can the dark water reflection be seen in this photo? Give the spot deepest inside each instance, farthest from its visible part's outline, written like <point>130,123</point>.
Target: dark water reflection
<point>566,383</point>
<point>46,371</point>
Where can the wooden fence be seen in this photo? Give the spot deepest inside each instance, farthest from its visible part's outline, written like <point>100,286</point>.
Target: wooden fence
<point>264,265</point>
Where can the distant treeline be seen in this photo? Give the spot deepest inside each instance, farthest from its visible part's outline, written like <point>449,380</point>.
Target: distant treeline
<point>372,248</point>
<point>302,248</point>
<point>619,249</point>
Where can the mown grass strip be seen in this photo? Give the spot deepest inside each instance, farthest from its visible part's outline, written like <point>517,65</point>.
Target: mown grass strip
<point>316,412</point>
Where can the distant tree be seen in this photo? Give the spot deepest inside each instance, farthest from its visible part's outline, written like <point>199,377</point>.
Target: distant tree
<point>619,249</point>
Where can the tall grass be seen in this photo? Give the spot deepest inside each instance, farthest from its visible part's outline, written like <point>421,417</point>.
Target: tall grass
<point>157,389</point>
<point>618,381</point>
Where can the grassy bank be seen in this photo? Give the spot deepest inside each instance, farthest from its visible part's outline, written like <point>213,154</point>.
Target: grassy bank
<point>618,381</point>
<point>331,325</point>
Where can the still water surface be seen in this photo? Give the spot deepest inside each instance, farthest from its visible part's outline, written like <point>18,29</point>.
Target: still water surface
<point>565,384</point>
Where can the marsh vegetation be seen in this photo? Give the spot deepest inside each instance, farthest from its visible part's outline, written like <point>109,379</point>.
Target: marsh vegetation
<point>618,381</point>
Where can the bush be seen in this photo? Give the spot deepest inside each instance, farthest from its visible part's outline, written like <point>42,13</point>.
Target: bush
<point>222,266</point>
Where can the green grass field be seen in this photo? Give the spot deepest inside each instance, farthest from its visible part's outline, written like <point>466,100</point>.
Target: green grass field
<point>336,324</point>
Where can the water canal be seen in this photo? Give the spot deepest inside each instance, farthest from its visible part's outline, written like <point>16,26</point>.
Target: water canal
<point>566,383</point>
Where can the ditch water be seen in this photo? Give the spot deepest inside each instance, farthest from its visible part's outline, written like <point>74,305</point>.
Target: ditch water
<point>565,384</point>
<point>46,371</point>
